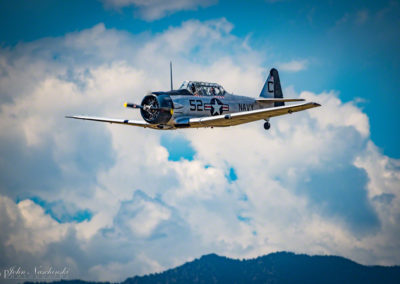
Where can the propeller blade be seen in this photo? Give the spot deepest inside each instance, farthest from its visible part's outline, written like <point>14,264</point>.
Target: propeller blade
<point>146,107</point>
<point>130,105</point>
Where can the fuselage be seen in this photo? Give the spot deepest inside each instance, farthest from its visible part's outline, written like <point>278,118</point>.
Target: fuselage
<point>185,105</point>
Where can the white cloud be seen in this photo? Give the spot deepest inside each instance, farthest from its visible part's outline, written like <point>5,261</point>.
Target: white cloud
<point>142,216</point>
<point>293,66</point>
<point>384,176</point>
<point>151,10</point>
<point>113,270</point>
<point>349,114</point>
<point>149,211</point>
<point>29,228</point>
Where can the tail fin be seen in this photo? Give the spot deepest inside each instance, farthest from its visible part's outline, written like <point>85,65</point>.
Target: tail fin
<point>272,87</point>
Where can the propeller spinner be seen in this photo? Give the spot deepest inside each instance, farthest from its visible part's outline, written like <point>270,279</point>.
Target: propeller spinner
<point>154,109</point>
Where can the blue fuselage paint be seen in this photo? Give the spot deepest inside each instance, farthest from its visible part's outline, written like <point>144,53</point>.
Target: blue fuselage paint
<point>190,106</point>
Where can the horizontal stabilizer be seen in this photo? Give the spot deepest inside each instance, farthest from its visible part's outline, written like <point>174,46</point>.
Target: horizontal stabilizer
<point>273,100</point>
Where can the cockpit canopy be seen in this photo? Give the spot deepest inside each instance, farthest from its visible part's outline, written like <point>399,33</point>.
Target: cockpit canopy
<point>203,88</point>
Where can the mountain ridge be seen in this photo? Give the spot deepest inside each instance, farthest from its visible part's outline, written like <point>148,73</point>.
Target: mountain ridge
<point>278,267</point>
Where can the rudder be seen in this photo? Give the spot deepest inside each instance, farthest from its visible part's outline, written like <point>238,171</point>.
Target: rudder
<point>272,87</point>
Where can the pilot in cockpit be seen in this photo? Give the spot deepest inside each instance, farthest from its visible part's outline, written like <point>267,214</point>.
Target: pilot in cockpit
<point>193,88</point>
<point>212,91</point>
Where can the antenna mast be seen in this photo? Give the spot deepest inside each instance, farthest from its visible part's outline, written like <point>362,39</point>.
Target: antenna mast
<point>170,72</point>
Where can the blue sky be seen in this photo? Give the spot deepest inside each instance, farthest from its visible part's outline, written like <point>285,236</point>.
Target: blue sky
<point>115,201</point>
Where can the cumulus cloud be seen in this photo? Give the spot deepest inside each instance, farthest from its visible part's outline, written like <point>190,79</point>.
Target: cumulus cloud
<point>315,183</point>
<point>156,9</point>
<point>293,66</point>
<point>34,229</point>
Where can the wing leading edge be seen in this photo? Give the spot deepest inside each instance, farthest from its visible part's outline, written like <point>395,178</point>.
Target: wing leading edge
<point>248,116</point>
<point>117,121</point>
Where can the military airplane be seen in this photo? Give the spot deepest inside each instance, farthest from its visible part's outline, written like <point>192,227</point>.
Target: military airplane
<point>200,104</point>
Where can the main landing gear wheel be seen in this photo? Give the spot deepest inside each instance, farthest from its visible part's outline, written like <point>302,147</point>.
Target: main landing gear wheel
<point>267,125</point>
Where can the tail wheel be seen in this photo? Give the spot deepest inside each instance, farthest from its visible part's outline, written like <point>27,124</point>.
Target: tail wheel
<point>267,125</point>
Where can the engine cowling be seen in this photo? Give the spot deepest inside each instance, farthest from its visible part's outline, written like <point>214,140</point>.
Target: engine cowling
<point>157,109</point>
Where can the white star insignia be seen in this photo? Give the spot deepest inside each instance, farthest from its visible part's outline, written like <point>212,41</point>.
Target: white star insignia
<point>216,108</point>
